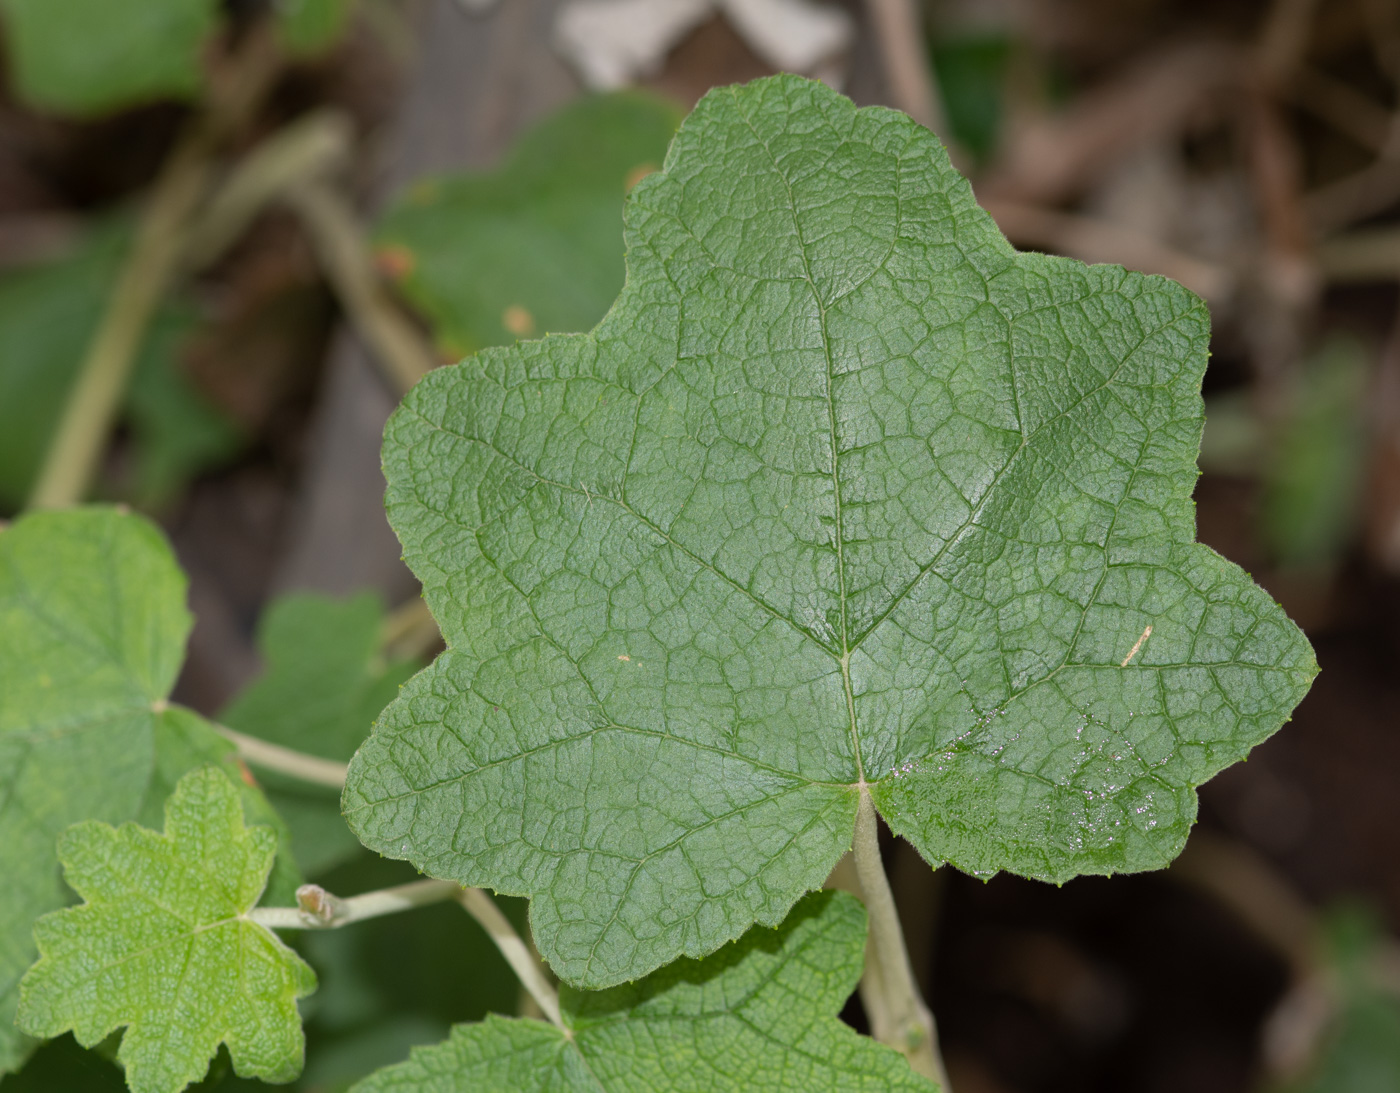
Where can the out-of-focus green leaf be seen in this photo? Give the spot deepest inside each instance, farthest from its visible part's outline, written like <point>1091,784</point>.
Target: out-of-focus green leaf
<point>312,26</point>
<point>47,317</point>
<point>93,56</point>
<point>1362,1049</point>
<point>1313,476</point>
<point>536,245</point>
<point>1234,437</point>
<point>324,685</point>
<point>760,1014</point>
<point>971,71</point>
<point>62,1066</point>
<point>92,633</point>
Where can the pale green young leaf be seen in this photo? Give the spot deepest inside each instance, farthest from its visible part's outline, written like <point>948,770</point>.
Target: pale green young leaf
<point>324,684</point>
<point>162,946</point>
<point>93,56</point>
<point>758,1014</point>
<point>844,495</point>
<point>92,633</point>
<point>535,245</point>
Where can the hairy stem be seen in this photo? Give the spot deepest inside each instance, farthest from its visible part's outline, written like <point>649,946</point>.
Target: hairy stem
<point>307,768</point>
<point>908,1023</point>
<point>517,952</point>
<point>317,909</point>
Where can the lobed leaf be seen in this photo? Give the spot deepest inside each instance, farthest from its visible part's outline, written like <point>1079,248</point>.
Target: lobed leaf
<point>92,634</point>
<point>843,496</point>
<point>758,1014</point>
<point>324,684</point>
<point>162,946</point>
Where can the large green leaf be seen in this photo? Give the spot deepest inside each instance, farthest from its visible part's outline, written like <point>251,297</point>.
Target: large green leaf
<point>759,1014</point>
<point>536,245</point>
<point>162,946</point>
<point>93,56</point>
<point>324,684</point>
<point>47,317</point>
<point>843,496</point>
<point>92,633</point>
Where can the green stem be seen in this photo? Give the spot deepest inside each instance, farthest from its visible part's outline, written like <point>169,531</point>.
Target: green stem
<point>339,242</point>
<point>307,768</point>
<point>102,378</point>
<point>909,1025</point>
<point>318,909</point>
<point>519,955</point>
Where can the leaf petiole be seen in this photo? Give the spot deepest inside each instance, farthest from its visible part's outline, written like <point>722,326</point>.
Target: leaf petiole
<point>908,1024</point>
<point>318,909</point>
<point>308,768</point>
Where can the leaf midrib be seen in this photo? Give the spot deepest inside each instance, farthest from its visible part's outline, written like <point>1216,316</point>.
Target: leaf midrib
<point>848,647</point>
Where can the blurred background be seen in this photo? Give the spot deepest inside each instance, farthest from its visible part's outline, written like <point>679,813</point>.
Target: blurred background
<point>249,225</point>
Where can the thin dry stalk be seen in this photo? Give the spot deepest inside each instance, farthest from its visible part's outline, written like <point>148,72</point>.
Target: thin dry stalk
<point>150,268</point>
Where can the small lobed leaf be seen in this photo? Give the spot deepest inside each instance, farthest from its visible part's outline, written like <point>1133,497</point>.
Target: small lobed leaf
<point>324,684</point>
<point>535,245</point>
<point>843,496</point>
<point>89,57</point>
<point>162,946</point>
<point>758,1014</point>
<point>93,626</point>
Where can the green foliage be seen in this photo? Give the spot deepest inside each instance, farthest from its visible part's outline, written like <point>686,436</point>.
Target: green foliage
<point>394,983</point>
<point>534,246</point>
<point>162,946</point>
<point>90,57</point>
<point>1313,477</point>
<point>92,633</point>
<point>324,685</point>
<point>971,72</point>
<point>1361,1050</point>
<point>843,495</point>
<point>312,26</point>
<point>758,1014</point>
<point>47,317</point>
<point>61,1066</point>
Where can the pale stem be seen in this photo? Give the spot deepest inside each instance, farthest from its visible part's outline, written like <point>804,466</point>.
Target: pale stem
<point>313,146</point>
<point>102,378</point>
<point>317,909</point>
<point>911,1029</point>
<point>517,952</point>
<point>339,242</point>
<point>872,986</point>
<point>307,768</point>
<point>103,375</point>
